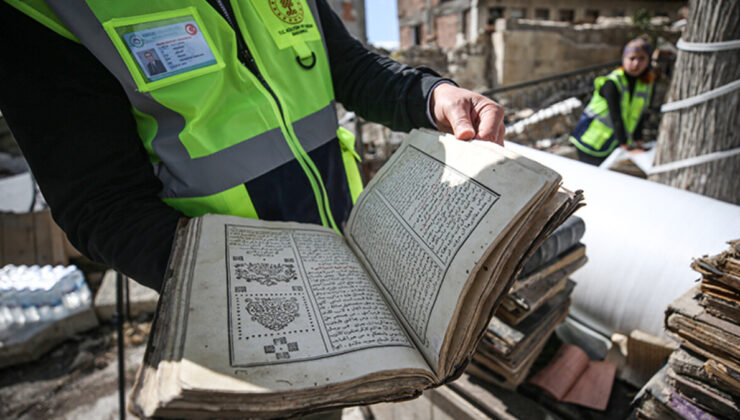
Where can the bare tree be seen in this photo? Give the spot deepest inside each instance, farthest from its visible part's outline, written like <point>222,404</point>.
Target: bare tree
<point>711,126</point>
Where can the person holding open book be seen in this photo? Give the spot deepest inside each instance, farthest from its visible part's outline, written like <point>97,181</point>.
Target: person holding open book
<point>240,121</point>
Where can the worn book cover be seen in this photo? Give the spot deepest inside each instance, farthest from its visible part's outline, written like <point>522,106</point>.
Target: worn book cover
<point>702,332</point>
<point>524,299</point>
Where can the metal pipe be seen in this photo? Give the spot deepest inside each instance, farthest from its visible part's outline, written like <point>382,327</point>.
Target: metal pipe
<point>118,319</point>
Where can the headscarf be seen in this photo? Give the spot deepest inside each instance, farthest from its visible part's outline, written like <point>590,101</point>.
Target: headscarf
<point>638,44</point>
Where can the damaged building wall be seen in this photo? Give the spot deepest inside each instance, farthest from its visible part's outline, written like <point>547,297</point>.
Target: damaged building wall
<point>572,11</point>
<point>468,64</point>
<point>435,22</point>
<point>352,13</point>
<point>521,50</point>
<point>525,50</point>
<point>450,23</point>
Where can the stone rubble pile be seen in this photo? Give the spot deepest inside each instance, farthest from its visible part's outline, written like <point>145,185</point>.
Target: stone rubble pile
<point>553,121</point>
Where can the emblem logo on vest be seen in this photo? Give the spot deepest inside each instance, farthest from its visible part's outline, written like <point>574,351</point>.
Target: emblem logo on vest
<point>137,42</point>
<point>289,11</point>
<point>191,29</point>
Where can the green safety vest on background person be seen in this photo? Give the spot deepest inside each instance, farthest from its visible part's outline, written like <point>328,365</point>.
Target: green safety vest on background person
<point>210,121</point>
<point>594,134</point>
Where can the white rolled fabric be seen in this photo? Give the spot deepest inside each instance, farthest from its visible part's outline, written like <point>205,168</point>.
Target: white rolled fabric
<point>640,239</point>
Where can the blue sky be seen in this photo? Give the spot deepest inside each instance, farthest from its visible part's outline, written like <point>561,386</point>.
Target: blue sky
<point>382,22</point>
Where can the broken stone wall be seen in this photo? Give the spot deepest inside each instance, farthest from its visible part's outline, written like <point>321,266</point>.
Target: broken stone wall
<point>546,93</point>
<point>526,50</point>
<point>521,50</point>
<point>352,13</point>
<point>468,65</point>
<point>430,56</point>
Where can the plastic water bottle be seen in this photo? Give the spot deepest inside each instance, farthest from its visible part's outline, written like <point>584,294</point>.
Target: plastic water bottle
<point>53,307</point>
<point>5,317</point>
<point>16,318</point>
<point>40,294</point>
<point>42,297</point>
<point>85,293</point>
<point>8,304</point>
<point>75,293</point>
<point>68,285</point>
<point>26,294</point>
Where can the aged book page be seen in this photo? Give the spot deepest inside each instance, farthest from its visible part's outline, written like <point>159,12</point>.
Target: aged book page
<point>427,222</point>
<point>295,310</point>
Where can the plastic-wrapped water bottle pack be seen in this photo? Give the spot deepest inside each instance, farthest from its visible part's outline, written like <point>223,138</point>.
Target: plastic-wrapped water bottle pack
<point>31,294</point>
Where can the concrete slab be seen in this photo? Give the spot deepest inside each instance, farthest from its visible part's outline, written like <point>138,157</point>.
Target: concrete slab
<point>31,343</point>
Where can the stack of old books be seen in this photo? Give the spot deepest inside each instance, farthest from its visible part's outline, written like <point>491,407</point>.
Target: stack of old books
<point>702,377</point>
<point>534,306</point>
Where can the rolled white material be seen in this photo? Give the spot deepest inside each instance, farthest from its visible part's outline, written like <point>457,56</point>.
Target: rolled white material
<point>708,46</point>
<point>693,161</point>
<point>640,239</point>
<point>700,98</point>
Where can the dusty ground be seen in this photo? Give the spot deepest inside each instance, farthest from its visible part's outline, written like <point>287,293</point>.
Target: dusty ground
<point>77,380</point>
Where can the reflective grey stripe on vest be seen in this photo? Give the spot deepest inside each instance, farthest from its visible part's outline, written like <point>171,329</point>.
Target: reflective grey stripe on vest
<point>316,129</point>
<point>181,175</point>
<point>604,119</point>
<point>243,161</point>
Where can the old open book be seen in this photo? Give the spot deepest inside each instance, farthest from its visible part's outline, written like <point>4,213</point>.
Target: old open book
<point>572,377</point>
<point>275,319</point>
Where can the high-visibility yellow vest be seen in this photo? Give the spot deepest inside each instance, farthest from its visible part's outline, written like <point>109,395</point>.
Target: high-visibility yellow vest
<point>208,122</point>
<point>594,134</point>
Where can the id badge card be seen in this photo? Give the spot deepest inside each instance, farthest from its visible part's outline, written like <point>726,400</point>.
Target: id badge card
<point>164,48</point>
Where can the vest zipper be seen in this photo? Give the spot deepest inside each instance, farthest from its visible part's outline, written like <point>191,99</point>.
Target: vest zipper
<point>246,58</point>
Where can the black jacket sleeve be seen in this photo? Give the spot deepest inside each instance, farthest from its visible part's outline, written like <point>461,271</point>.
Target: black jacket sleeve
<point>610,92</point>
<point>378,88</point>
<point>74,126</point>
